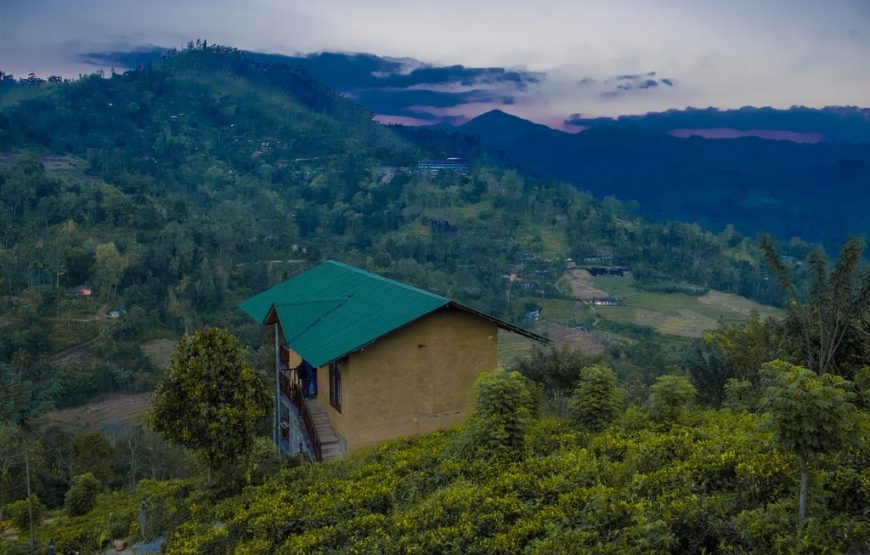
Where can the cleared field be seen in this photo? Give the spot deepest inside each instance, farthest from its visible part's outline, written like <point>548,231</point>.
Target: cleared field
<point>511,348</point>
<point>675,313</point>
<point>159,352</point>
<point>563,336</point>
<point>562,311</point>
<point>580,285</point>
<point>120,409</point>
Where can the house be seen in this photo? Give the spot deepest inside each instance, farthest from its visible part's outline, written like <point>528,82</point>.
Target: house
<point>362,359</point>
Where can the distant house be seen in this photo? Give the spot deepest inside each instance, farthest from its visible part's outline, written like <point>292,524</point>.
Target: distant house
<point>607,270</point>
<point>362,359</point>
<point>448,165</point>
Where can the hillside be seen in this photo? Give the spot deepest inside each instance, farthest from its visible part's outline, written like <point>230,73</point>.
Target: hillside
<point>814,191</point>
<point>141,206</point>
<point>174,191</point>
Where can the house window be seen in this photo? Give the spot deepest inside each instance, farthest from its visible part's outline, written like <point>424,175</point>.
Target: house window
<point>335,383</point>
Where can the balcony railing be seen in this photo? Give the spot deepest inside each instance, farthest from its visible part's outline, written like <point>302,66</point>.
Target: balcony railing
<point>293,391</point>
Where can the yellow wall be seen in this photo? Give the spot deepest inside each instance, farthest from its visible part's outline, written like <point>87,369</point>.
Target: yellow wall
<point>414,381</point>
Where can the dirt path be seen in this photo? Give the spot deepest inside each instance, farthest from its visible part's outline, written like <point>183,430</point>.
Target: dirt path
<point>580,283</point>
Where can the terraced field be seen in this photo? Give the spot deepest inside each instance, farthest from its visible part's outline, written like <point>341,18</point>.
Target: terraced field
<point>677,314</point>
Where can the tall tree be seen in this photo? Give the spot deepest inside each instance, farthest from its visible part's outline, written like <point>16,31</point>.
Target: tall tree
<point>811,414</point>
<point>21,401</point>
<point>831,327</point>
<point>109,265</point>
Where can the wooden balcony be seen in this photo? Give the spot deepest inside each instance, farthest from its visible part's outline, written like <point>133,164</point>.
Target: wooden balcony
<point>291,389</point>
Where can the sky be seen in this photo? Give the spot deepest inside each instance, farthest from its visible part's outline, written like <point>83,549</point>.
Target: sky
<point>544,60</point>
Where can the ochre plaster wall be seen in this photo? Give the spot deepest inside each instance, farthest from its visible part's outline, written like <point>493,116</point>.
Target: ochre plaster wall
<point>414,381</point>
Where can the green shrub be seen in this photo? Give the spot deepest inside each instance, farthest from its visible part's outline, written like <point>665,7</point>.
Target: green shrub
<point>595,402</point>
<point>669,397</point>
<point>504,407</point>
<point>82,494</point>
<point>17,512</point>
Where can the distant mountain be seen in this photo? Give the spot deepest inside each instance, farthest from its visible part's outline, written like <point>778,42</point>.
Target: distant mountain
<point>816,191</point>
<point>501,129</point>
<point>798,123</point>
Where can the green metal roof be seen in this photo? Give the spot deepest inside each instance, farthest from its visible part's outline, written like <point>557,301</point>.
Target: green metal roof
<point>334,309</point>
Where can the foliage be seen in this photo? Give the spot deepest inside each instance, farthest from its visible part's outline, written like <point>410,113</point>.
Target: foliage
<point>714,486</point>
<point>810,414</point>
<point>504,409</point>
<point>82,494</point>
<point>595,402</point>
<point>92,453</point>
<point>669,397</point>
<point>829,329</point>
<point>116,515</point>
<point>18,513</point>
<point>557,369</point>
<point>734,352</point>
<point>210,399</point>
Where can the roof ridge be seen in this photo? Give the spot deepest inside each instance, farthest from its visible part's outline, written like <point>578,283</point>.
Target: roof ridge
<point>387,280</point>
<point>318,319</point>
<point>315,300</point>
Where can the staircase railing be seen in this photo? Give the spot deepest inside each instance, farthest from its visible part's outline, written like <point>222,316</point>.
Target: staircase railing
<point>292,390</point>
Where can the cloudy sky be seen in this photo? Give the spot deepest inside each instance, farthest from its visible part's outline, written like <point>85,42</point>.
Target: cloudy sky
<point>543,60</point>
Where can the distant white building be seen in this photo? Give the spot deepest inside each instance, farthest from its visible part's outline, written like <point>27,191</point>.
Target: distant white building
<point>452,165</point>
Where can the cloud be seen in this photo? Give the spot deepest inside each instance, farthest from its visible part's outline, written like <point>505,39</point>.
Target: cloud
<point>619,85</point>
<point>390,87</point>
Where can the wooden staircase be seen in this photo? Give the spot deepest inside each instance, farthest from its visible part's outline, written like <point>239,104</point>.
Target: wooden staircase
<point>331,446</point>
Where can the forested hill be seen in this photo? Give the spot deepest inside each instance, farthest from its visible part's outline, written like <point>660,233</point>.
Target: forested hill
<point>209,101</point>
<point>814,191</point>
<point>176,190</point>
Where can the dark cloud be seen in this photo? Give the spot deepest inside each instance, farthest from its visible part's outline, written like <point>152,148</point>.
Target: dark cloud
<point>635,76</point>
<point>127,59</point>
<point>622,84</point>
<point>386,86</point>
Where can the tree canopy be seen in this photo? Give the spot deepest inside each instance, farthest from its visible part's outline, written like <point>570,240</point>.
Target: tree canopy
<point>210,399</point>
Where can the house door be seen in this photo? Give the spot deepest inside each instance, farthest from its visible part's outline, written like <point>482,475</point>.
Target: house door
<point>308,374</point>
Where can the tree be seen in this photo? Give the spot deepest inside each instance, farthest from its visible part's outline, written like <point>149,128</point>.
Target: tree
<point>92,453</point>
<point>810,415</point>
<point>109,265</point>
<point>210,398</point>
<point>669,397</point>
<point>503,413</point>
<point>831,328</point>
<point>21,401</point>
<point>595,402</point>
